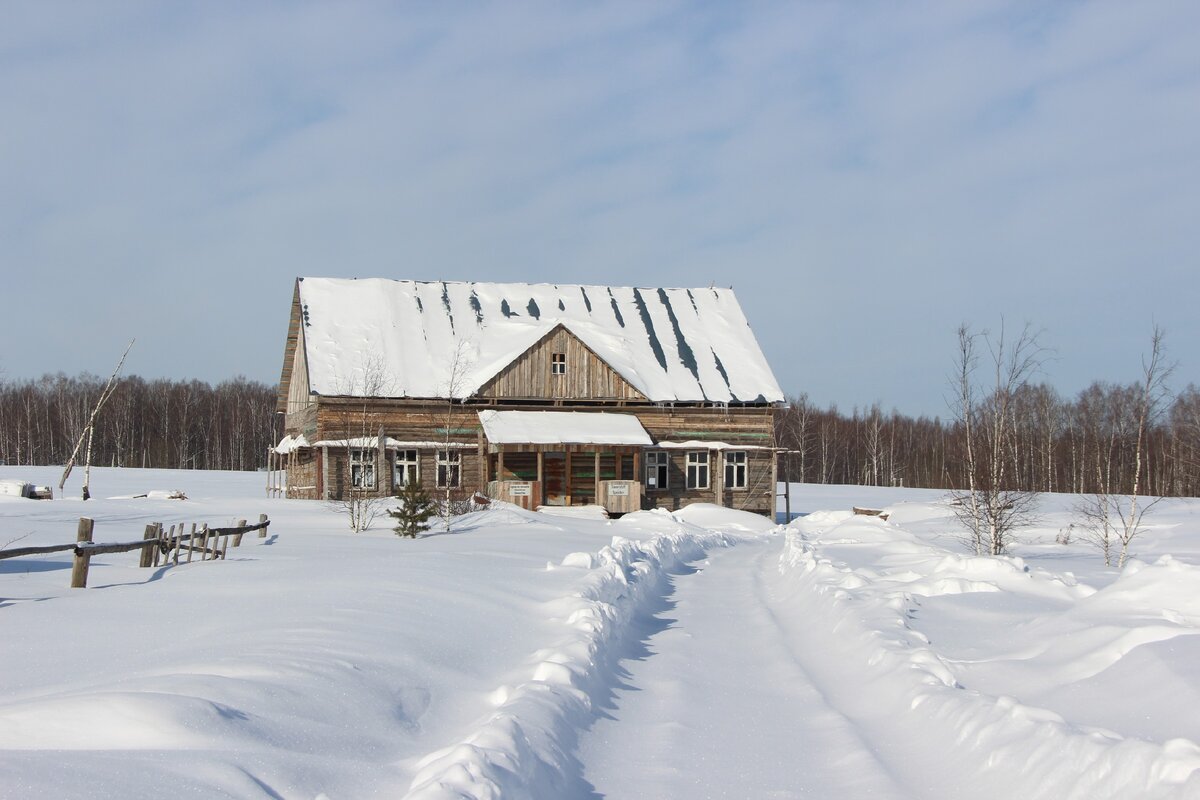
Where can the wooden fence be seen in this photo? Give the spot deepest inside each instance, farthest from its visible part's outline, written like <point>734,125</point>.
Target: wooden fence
<point>157,545</point>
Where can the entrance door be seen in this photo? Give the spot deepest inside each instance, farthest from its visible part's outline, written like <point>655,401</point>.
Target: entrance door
<point>554,475</point>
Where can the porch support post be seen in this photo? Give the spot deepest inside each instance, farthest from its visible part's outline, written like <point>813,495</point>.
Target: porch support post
<point>719,467</point>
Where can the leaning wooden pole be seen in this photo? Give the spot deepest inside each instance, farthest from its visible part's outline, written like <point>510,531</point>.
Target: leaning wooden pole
<point>86,433</point>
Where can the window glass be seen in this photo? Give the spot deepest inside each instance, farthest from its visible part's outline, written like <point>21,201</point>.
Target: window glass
<point>735,469</point>
<point>697,469</point>
<point>656,469</point>
<point>362,469</point>
<point>408,468</point>
<point>449,469</point>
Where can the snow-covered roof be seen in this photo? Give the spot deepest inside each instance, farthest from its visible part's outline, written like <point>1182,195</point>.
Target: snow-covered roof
<point>693,444</point>
<point>289,443</point>
<point>562,427</point>
<point>387,338</point>
<point>372,443</point>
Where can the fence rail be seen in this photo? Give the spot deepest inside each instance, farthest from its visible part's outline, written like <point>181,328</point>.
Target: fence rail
<point>154,545</point>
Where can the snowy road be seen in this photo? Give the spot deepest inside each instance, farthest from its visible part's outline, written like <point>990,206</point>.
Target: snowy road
<point>718,705</point>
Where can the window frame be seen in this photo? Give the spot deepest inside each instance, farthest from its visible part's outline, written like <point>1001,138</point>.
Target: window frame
<point>736,465</point>
<point>449,468</point>
<point>400,464</point>
<point>362,468</point>
<point>558,364</point>
<point>697,463</point>
<point>660,462</point>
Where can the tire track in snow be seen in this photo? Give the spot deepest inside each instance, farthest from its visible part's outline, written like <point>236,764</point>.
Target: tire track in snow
<point>722,707</point>
<point>526,747</point>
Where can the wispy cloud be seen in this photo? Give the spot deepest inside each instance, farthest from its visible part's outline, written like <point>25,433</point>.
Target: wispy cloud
<point>866,175</point>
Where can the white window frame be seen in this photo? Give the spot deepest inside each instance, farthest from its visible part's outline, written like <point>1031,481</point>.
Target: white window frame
<point>449,469</point>
<point>698,466</point>
<point>407,464</point>
<point>657,464</point>
<point>362,468</point>
<point>737,464</point>
<point>558,363</point>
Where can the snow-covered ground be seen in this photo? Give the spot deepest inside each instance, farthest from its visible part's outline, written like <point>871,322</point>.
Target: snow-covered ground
<point>705,653</point>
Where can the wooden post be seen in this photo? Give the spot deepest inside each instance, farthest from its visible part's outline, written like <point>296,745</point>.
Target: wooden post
<point>178,544</point>
<point>224,545</point>
<point>541,458</point>
<point>262,532</point>
<point>720,476</point>
<point>157,543</point>
<point>191,542</point>
<point>237,539</point>
<point>79,571</point>
<point>204,541</point>
<point>500,464</point>
<point>169,538</point>
<point>787,487</point>
<point>148,550</point>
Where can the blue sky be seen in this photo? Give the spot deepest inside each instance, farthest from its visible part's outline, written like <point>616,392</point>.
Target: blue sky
<point>866,175</point>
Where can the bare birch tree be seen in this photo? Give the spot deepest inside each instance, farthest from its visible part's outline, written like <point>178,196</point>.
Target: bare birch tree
<point>90,428</point>
<point>1112,519</point>
<point>361,500</point>
<point>990,508</point>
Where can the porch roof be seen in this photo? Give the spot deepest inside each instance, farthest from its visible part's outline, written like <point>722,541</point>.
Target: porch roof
<point>562,427</point>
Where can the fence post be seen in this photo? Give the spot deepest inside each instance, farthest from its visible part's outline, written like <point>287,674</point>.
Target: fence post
<point>262,532</point>
<point>148,549</point>
<point>79,571</point>
<point>237,539</point>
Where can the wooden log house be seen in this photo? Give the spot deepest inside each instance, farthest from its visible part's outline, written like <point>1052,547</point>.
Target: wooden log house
<point>537,394</point>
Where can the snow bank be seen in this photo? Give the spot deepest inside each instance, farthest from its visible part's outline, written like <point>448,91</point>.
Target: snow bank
<point>885,674</point>
<point>524,749</point>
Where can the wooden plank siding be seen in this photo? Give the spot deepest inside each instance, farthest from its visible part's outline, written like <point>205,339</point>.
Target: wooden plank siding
<point>289,354</point>
<point>335,418</point>
<point>586,375</point>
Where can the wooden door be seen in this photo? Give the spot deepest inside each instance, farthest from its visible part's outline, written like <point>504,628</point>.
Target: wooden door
<point>555,479</point>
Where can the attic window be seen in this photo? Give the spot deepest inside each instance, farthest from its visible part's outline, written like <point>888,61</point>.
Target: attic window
<point>558,364</point>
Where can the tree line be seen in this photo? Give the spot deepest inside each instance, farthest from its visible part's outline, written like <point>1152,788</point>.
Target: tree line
<point>157,423</point>
<point>1085,444</point>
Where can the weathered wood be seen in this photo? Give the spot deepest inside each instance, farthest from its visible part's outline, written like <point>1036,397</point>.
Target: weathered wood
<point>870,512</point>
<point>79,570</point>
<point>237,538</point>
<point>586,375</point>
<point>109,547</point>
<point>17,552</point>
<point>263,522</point>
<point>150,534</point>
<point>204,541</point>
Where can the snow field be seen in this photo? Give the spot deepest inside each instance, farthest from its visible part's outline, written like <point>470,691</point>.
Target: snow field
<point>865,657</point>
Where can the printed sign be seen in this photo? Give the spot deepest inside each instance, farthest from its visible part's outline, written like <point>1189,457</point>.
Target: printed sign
<point>520,489</point>
<point>618,490</point>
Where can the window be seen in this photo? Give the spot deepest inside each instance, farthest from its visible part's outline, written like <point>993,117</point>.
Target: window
<point>656,470</point>
<point>449,469</point>
<point>407,469</point>
<point>735,469</point>
<point>558,364</point>
<point>697,469</point>
<point>362,469</point>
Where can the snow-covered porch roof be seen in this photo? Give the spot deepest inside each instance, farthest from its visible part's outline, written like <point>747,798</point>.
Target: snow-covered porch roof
<point>562,427</point>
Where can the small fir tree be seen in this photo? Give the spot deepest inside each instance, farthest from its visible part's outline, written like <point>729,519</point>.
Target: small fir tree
<point>415,511</point>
